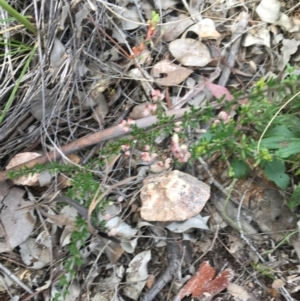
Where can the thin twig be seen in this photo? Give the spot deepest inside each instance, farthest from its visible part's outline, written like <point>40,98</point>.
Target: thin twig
<point>237,37</point>
<point>174,258</point>
<point>15,278</point>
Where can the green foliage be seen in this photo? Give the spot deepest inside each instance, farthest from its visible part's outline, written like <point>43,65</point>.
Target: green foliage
<point>155,18</point>
<point>238,169</point>
<point>294,200</point>
<point>275,171</point>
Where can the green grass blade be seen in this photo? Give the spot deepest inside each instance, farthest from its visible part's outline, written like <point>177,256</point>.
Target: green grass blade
<point>18,16</point>
<point>13,93</point>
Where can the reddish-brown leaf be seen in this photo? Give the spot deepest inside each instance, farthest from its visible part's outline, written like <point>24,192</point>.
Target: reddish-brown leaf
<point>218,91</point>
<point>195,285</point>
<point>202,282</point>
<point>217,285</point>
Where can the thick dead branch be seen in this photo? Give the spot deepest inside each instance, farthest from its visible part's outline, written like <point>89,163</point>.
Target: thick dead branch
<point>92,139</point>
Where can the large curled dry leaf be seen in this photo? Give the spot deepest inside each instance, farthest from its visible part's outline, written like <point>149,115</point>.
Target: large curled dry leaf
<point>17,219</point>
<point>203,283</point>
<point>28,180</point>
<point>166,73</point>
<point>190,52</point>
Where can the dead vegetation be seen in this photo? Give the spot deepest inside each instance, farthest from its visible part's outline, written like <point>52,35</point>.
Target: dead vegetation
<point>111,100</point>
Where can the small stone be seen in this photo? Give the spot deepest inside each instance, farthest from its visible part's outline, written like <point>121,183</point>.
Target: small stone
<point>173,196</point>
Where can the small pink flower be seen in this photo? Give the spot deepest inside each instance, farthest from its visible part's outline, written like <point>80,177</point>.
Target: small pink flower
<point>122,123</point>
<point>146,157</point>
<point>130,121</point>
<point>120,199</point>
<point>127,154</point>
<point>216,122</point>
<point>157,95</point>
<point>224,116</point>
<point>125,147</point>
<point>146,112</point>
<point>153,107</point>
<point>112,232</point>
<point>107,216</point>
<point>168,162</point>
<point>160,163</point>
<point>154,156</point>
<point>146,148</point>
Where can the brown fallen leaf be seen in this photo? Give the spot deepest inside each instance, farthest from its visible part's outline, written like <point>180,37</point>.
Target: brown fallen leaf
<point>201,284</point>
<point>166,73</point>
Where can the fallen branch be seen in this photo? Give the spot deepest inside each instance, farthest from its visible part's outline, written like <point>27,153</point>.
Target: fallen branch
<point>92,139</point>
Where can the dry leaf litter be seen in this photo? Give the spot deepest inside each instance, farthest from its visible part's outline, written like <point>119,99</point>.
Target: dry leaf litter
<point>177,235</point>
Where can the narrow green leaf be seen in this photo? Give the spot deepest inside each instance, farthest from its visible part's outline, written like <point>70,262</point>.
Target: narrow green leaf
<point>18,16</point>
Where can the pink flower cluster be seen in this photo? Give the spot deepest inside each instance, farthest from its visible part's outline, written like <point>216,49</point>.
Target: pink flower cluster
<point>223,116</point>
<point>149,109</point>
<point>126,125</point>
<point>157,95</point>
<point>126,149</point>
<point>178,127</point>
<point>146,156</point>
<point>166,164</point>
<point>180,152</point>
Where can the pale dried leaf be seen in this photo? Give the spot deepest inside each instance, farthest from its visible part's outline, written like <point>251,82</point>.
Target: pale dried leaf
<point>79,17</point>
<point>136,73</point>
<point>168,74</point>
<point>287,24</point>
<point>278,283</point>
<point>33,255</point>
<point>208,30</point>
<point>238,292</point>
<point>80,68</point>
<point>65,11</point>
<point>269,11</point>
<point>16,223</point>
<point>262,37</point>
<point>45,178</point>
<point>137,274</point>
<point>130,14</point>
<point>129,245</point>
<point>57,53</point>
<point>190,52</point>
<point>138,111</point>
<point>120,228</point>
<point>166,4</point>
<point>174,29</point>
<point>197,222</point>
<point>41,109</point>
<point>29,180</point>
